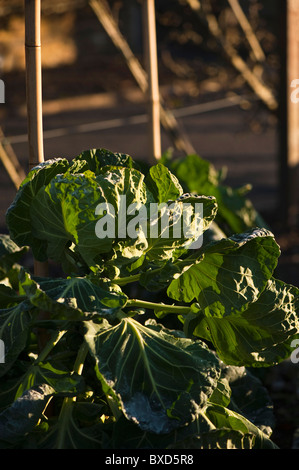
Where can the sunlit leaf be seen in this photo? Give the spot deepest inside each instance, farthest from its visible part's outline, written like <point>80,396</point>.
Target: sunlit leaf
<point>228,274</point>
<point>159,378</point>
<point>260,335</point>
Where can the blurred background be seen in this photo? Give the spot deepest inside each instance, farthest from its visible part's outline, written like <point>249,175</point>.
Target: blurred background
<point>226,94</point>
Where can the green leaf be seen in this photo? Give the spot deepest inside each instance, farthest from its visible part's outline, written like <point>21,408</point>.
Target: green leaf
<point>260,335</point>
<point>10,253</point>
<point>236,210</point>
<point>154,279</point>
<point>128,435</point>
<point>228,274</point>
<point>65,383</point>
<point>168,244</point>
<point>15,325</point>
<point>222,393</point>
<point>18,217</point>
<point>217,439</point>
<point>17,421</point>
<point>95,159</point>
<point>124,182</point>
<point>131,200</point>
<point>159,378</point>
<point>222,417</point>
<point>163,184</point>
<point>9,297</point>
<point>72,222</point>
<point>64,213</point>
<point>72,298</point>
<point>197,174</point>
<point>38,195</point>
<point>249,397</point>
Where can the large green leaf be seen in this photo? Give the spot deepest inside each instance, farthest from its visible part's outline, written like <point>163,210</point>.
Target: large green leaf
<point>64,213</point>
<point>241,419</point>
<point>258,336</point>
<point>163,184</point>
<point>15,325</point>
<point>69,213</point>
<point>197,174</point>
<point>21,217</point>
<point>127,182</point>
<point>18,217</point>
<point>159,378</point>
<point>228,274</point>
<point>72,298</point>
<point>128,435</point>
<point>249,397</point>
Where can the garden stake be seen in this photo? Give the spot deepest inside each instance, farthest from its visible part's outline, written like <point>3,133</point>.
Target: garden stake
<point>168,120</point>
<point>153,82</point>
<point>34,95</point>
<point>34,111</point>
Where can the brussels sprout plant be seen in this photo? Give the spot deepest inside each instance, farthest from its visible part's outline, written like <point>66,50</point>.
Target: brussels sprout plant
<point>151,343</point>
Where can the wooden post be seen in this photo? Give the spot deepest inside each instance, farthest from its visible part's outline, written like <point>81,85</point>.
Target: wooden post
<point>150,41</point>
<point>34,81</point>
<point>289,114</point>
<point>34,94</point>
<point>168,121</point>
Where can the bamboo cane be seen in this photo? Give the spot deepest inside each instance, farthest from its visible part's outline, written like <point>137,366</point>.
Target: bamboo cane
<point>34,117</point>
<point>34,82</point>
<point>153,82</point>
<point>34,94</point>
<point>168,120</point>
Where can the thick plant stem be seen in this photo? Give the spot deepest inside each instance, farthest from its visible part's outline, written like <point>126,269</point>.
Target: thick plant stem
<point>158,306</point>
<point>66,409</point>
<point>81,356</point>
<point>122,281</point>
<point>49,346</point>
